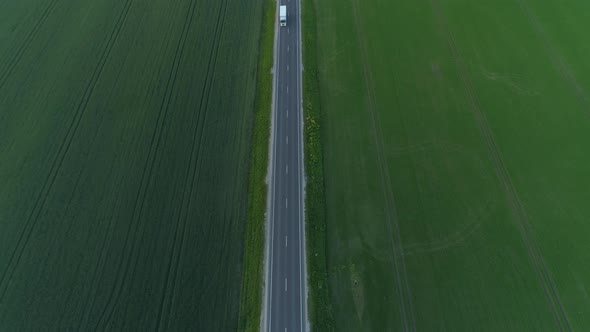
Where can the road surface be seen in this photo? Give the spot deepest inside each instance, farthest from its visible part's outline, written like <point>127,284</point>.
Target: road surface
<point>286,291</point>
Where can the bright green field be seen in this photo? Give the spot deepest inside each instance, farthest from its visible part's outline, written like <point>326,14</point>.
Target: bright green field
<point>455,139</point>
<point>125,130</point>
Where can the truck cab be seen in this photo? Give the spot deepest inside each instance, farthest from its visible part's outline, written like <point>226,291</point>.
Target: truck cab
<point>283,15</point>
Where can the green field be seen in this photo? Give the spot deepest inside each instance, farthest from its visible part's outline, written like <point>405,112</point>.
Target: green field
<point>454,137</point>
<point>125,136</point>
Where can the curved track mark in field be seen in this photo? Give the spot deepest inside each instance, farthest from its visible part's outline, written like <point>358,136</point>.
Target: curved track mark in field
<point>556,58</point>
<point>192,173</point>
<point>131,236</point>
<point>398,260</point>
<point>58,161</point>
<point>449,241</point>
<point>503,175</point>
<point>22,48</point>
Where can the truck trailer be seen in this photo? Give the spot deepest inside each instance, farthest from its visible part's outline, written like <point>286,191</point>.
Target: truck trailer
<point>283,15</point>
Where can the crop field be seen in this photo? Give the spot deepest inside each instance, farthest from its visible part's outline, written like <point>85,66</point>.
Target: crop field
<point>455,143</point>
<point>125,130</point>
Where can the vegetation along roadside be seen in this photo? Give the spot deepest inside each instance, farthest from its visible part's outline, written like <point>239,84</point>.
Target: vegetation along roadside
<point>320,314</point>
<point>251,294</point>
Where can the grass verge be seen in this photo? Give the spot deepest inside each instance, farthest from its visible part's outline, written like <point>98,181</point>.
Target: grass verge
<point>251,293</point>
<point>320,313</point>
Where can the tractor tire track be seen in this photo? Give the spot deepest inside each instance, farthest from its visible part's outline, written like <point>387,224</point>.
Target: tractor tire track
<point>556,58</point>
<point>131,236</point>
<point>99,271</point>
<point>398,260</point>
<point>98,267</point>
<point>518,211</point>
<point>41,199</point>
<point>167,299</point>
<point>27,41</point>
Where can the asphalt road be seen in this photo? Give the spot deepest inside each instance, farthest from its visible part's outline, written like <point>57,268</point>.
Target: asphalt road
<point>285,302</point>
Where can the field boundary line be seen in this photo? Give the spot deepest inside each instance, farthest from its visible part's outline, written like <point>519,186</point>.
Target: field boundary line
<point>61,154</point>
<point>304,292</point>
<point>266,319</point>
<point>518,211</point>
<point>405,296</point>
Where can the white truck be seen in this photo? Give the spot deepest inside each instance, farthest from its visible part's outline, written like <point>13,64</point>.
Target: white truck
<point>283,15</point>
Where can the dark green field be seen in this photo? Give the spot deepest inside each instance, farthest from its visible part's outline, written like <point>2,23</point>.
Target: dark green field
<point>456,164</point>
<point>125,131</point>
